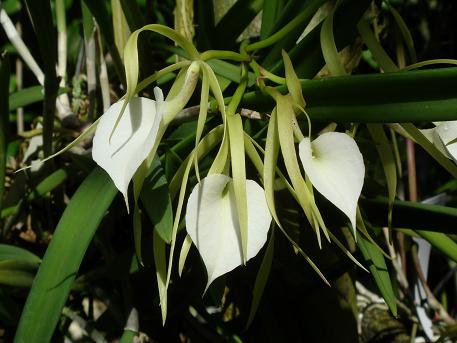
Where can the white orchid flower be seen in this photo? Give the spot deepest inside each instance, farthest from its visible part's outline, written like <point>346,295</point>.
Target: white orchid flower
<point>121,149</point>
<point>443,137</point>
<point>335,167</point>
<point>213,225</point>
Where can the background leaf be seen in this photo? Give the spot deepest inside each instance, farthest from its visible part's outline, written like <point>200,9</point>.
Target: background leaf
<point>63,257</point>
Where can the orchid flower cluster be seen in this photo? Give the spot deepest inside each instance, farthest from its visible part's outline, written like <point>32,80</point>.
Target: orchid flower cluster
<point>227,216</point>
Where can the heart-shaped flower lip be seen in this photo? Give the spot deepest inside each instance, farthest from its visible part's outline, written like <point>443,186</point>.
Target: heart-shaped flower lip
<point>131,141</point>
<point>335,167</point>
<point>212,223</point>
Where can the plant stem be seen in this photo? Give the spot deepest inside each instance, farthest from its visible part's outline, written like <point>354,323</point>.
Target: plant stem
<point>239,92</point>
<point>223,55</point>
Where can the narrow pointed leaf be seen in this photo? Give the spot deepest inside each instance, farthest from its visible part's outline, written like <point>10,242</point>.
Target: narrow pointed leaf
<point>212,223</point>
<point>335,167</point>
<point>378,269</point>
<point>11,252</point>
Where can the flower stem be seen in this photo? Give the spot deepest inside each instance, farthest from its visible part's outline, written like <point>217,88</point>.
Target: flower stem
<point>223,55</point>
<point>239,92</point>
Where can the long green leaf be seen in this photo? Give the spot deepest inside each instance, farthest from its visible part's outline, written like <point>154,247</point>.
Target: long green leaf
<point>270,14</point>
<point>412,215</point>
<point>422,95</point>
<point>63,257</point>
<point>28,96</point>
<point>441,242</point>
<point>11,252</point>
<point>378,269</point>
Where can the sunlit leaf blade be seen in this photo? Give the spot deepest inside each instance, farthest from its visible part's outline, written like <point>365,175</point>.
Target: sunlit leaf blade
<point>262,278</point>
<point>335,167</point>
<point>63,257</point>
<point>131,142</point>
<point>441,242</point>
<point>378,269</point>
<point>28,96</point>
<point>212,223</point>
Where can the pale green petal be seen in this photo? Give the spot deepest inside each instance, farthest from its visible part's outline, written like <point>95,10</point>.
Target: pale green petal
<point>212,223</point>
<point>447,132</point>
<point>335,167</point>
<point>131,142</point>
<point>433,137</point>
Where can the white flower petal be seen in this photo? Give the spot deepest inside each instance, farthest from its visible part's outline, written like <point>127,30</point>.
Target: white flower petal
<point>212,223</point>
<point>130,143</point>
<point>447,132</point>
<point>434,138</point>
<point>334,165</point>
